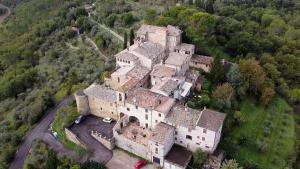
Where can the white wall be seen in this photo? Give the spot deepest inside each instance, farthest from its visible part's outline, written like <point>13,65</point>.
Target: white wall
<point>204,67</point>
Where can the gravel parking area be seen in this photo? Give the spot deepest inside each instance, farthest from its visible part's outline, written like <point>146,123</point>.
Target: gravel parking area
<point>83,132</point>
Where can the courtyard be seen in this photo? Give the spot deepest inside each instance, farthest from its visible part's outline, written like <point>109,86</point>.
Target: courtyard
<point>136,133</point>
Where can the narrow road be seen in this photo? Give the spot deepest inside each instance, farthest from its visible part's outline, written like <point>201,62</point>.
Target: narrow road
<point>38,132</point>
<point>2,18</point>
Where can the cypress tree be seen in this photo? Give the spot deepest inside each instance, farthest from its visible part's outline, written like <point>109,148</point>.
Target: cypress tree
<point>125,40</point>
<point>131,37</point>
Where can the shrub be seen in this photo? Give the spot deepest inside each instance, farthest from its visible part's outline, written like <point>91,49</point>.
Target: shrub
<point>261,146</point>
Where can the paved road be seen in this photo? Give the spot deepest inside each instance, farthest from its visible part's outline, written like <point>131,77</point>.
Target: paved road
<point>39,132</point>
<point>5,15</point>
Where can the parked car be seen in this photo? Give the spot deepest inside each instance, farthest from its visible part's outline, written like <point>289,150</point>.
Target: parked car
<point>107,120</point>
<point>54,133</point>
<point>79,119</point>
<point>140,164</point>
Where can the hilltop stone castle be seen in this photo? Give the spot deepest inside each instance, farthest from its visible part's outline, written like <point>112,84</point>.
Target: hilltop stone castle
<point>146,95</point>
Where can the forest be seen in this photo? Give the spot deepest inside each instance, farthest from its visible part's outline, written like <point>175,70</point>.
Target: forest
<point>42,60</point>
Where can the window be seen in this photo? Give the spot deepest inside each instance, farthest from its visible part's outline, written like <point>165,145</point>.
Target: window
<point>203,138</point>
<point>120,97</point>
<point>146,110</point>
<point>118,80</point>
<point>188,137</point>
<point>146,125</point>
<point>175,138</point>
<point>206,146</point>
<point>180,141</point>
<point>146,116</point>
<point>198,143</point>
<point>128,109</point>
<point>198,137</point>
<point>136,107</point>
<point>100,108</point>
<point>156,121</point>
<point>159,115</point>
<point>112,112</point>
<point>175,132</point>
<point>204,130</point>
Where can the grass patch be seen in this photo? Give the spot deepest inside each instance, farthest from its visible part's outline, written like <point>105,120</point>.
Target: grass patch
<point>266,139</point>
<point>58,125</point>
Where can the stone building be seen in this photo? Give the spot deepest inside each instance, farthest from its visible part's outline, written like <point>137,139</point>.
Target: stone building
<point>144,96</point>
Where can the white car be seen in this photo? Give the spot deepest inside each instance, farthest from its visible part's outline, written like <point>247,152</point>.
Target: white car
<point>54,133</point>
<point>107,120</point>
<point>79,119</point>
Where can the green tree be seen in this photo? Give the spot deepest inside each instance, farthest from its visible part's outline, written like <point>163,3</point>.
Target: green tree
<point>217,73</point>
<point>150,15</point>
<point>223,96</point>
<point>125,40</point>
<point>252,74</point>
<point>234,76</point>
<point>267,95</point>
<point>230,164</point>
<point>52,160</point>
<point>131,37</point>
<point>93,165</point>
<point>294,95</point>
<point>199,158</point>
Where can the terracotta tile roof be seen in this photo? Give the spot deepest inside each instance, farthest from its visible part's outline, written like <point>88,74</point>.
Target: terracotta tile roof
<point>150,28</point>
<point>185,46</point>
<point>202,59</point>
<point>179,156</point>
<point>183,116</point>
<point>211,120</point>
<point>149,50</point>
<point>162,132</point>
<point>126,56</point>
<point>162,71</point>
<point>176,59</point>
<point>143,97</point>
<point>101,92</point>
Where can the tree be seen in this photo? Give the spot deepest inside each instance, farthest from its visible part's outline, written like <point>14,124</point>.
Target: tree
<point>131,37</point>
<point>150,15</point>
<point>230,164</point>
<point>252,74</point>
<point>223,96</point>
<point>93,165</point>
<point>199,158</point>
<point>234,76</point>
<point>125,40</point>
<point>52,160</point>
<point>294,95</point>
<point>267,95</point>
<point>217,73</point>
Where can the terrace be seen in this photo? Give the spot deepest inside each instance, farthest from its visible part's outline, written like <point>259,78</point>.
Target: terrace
<point>136,133</point>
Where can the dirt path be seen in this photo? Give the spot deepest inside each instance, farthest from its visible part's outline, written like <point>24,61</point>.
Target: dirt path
<point>2,17</point>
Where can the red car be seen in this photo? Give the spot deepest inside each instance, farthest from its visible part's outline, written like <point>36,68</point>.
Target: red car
<point>140,164</point>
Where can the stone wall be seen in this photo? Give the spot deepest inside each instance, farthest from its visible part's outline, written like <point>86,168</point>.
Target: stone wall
<point>107,142</point>
<point>72,137</point>
<point>82,103</point>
